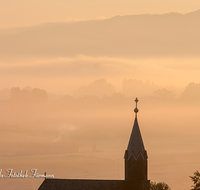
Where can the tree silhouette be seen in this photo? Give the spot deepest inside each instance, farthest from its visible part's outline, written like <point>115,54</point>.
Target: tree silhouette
<point>159,186</point>
<point>196,180</point>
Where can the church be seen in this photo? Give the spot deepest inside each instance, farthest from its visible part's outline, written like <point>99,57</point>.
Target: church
<point>135,170</point>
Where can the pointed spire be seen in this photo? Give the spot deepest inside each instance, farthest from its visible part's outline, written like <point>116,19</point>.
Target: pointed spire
<point>135,145</point>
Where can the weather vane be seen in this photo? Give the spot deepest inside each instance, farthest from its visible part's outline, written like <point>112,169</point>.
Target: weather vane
<point>136,109</point>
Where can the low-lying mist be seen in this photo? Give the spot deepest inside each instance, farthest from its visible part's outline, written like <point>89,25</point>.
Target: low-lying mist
<point>37,125</point>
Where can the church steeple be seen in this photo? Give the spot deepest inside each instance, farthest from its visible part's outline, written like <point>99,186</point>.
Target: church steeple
<point>135,155</point>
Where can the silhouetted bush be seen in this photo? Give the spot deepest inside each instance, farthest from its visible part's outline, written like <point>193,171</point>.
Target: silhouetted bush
<point>159,186</point>
<point>196,180</point>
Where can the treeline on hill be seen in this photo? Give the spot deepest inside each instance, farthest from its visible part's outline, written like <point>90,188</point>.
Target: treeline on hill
<point>102,90</point>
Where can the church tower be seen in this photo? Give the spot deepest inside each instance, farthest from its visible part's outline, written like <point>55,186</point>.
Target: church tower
<point>136,155</point>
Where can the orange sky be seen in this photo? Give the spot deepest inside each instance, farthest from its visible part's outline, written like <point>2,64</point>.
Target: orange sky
<point>28,12</point>
<point>82,70</point>
<point>95,70</point>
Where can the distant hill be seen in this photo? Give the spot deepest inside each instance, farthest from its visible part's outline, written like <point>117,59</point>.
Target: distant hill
<point>136,36</point>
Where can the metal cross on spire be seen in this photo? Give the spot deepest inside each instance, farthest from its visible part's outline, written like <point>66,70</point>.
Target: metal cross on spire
<point>136,109</point>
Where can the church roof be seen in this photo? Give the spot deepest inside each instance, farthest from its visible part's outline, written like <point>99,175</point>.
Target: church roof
<point>86,184</point>
<point>81,184</point>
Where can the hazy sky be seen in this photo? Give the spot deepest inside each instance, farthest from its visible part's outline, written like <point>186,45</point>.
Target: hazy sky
<point>82,70</point>
<point>136,55</point>
<point>29,12</point>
